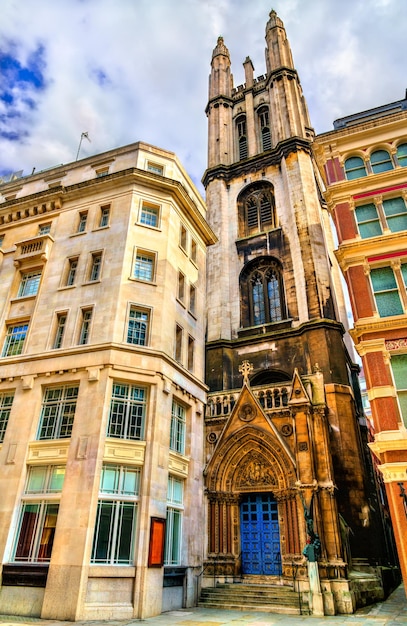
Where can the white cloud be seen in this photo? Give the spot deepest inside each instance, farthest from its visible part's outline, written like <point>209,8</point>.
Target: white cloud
<point>129,70</point>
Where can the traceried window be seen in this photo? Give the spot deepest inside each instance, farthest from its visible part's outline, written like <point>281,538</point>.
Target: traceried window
<point>15,338</point>
<point>127,411</point>
<point>380,161</point>
<point>6,401</point>
<point>355,168</point>
<point>116,515</point>
<point>58,412</point>
<point>399,368</point>
<point>256,209</point>
<point>30,282</point>
<point>264,121</point>
<point>178,427</point>
<point>262,293</point>
<point>402,154</point>
<point>242,136</point>
<point>173,529</point>
<point>149,215</point>
<point>38,515</point>
<point>386,290</point>
<point>138,326</point>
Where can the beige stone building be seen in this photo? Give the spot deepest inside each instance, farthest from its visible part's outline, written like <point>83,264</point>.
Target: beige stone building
<point>102,282</point>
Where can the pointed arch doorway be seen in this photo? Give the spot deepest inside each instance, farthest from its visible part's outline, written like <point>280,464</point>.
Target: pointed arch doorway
<point>260,535</point>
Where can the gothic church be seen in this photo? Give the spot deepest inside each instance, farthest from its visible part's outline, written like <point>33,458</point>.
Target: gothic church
<point>286,460</point>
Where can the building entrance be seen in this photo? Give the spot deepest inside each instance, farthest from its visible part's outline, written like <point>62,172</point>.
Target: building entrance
<point>260,535</point>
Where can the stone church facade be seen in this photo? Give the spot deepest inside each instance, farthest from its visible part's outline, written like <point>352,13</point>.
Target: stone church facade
<point>285,442</point>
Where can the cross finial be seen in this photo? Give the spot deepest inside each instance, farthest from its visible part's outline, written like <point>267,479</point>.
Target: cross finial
<point>245,369</point>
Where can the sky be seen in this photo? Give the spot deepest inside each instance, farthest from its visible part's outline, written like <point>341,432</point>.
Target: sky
<point>137,70</point>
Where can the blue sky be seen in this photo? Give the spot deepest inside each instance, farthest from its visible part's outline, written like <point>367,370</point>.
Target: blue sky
<point>129,70</point>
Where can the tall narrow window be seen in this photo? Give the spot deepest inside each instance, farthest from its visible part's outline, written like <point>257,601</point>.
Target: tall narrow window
<point>264,128</point>
<point>402,154</point>
<point>241,136</point>
<point>178,343</point>
<point>173,530</point>
<point>193,250</point>
<point>395,211</point>
<point>138,326</point>
<point>181,287</point>
<point>386,292</point>
<point>355,168</point>
<point>149,215</point>
<point>256,209</point>
<point>144,266</point>
<point>6,400</point>
<point>58,412</point>
<point>399,368</point>
<point>104,216</point>
<point>191,353</point>
<point>38,516</point>
<point>368,221</point>
<point>83,218</point>
<point>15,338</point>
<point>183,237</point>
<point>96,265</point>
<point>178,427</point>
<point>380,161</point>
<point>113,541</point>
<point>84,331</point>
<point>192,299</point>
<point>262,293</point>
<point>127,412</point>
<point>71,274</point>
<point>30,282</point>
<point>59,331</point>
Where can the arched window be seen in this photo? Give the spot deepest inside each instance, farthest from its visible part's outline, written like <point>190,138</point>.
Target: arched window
<point>242,136</point>
<point>380,161</point>
<point>256,210</point>
<point>262,293</point>
<point>402,154</point>
<point>354,168</point>
<point>264,128</point>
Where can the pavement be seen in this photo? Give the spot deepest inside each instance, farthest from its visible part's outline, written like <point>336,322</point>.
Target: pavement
<point>391,612</point>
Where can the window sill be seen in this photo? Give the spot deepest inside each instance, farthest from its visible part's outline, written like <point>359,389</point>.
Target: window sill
<point>264,329</point>
<point>63,287</point>
<point>100,228</point>
<point>92,282</point>
<point>143,282</point>
<point>156,228</point>
<point>181,303</point>
<point>84,232</point>
<point>24,298</point>
<point>111,571</point>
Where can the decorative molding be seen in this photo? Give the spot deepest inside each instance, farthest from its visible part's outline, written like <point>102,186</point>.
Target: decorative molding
<point>396,344</point>
<point>178,464</point>
<point>50,451</point>
<point>393,472</point>
<point>387,391</point>
<point>117,451</point>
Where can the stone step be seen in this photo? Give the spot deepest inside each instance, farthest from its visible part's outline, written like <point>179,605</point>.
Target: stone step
<point>267,598</point>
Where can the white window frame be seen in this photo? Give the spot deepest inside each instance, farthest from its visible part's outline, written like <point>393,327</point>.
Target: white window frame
<point>6,402</point>
<point>58,412</point>
<point>174,522</point>
<point>178,427</point>
<point>138,325</point>
<point>146,211</point>
<point>30,284</point>
<point>143,259</point>
<point>13,346</point>
<point>127,413</point>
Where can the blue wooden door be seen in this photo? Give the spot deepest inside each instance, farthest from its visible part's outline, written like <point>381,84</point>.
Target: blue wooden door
<point>260,535</point>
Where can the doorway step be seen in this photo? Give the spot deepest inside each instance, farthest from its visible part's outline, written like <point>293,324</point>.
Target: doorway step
<point>270,598</point>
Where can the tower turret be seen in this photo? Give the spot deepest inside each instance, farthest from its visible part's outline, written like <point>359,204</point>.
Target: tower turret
<point>219,109</point>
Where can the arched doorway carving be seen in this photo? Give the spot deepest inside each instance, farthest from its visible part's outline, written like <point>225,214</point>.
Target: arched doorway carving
<point>250,466</point>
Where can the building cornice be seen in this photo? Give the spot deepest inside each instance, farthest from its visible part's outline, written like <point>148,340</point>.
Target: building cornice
<point>257,162</point>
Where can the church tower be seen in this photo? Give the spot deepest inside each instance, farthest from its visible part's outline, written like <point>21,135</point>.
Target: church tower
<point>285,456</point>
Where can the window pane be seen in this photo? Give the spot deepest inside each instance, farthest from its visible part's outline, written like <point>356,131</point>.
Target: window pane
<point>399,367</point>
<point>36,479</point>
<point>131,480</point>
<point>6,400</point>
<point>396,214</point>
<point>103,532</point>
<point>137,332</point>
<point>57,479</point>
<point>14,341</point>
<point>48,533</point>
<point>144,267</point>
<point>273,291</point>
<point>402,154</point>
<point>109,482</point>
<point>368,221</point>
<point>386,293</point>
<point>27,530</point>
<point>149,216</point>
<point>354,168</point>
<point>259,311</point>
<point>381,161</point>
<point>125,532</point>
